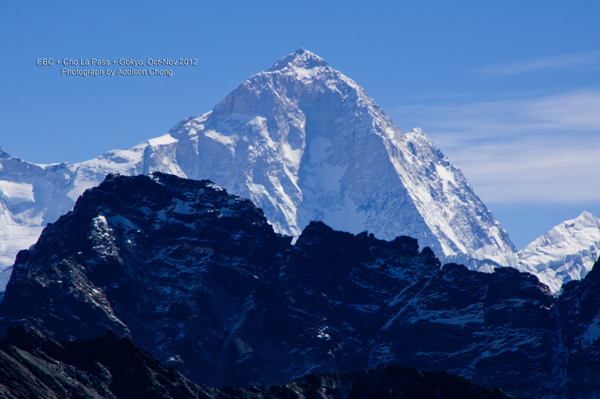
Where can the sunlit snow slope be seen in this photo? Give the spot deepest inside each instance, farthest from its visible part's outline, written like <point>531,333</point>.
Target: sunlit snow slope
<point>565,253</point>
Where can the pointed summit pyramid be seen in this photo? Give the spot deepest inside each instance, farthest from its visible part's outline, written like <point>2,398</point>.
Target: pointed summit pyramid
<point>301,59</point>
<point>303,142</point>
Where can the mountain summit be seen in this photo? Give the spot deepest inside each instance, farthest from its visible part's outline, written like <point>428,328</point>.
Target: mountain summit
<point>304,142</point>
<point>301,59</point>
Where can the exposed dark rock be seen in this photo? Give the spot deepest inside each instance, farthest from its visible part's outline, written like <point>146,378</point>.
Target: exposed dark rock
<point>33,366</point>
<point>382,383</point>
<point>199,279</point>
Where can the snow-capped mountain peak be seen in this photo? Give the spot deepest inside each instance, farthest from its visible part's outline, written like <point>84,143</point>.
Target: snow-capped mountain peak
<point>565,253</point>
<point>567,232</point>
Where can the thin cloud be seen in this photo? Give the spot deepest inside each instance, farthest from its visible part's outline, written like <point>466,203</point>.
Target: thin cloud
<point>527,150</point>
<point>574,111</point>
<point>590,59</point>
<point>541,169</point>
<point>579,110</point>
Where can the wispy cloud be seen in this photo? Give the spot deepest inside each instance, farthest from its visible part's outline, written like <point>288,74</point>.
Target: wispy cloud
<point>590,59</point>
<point>525,150</point>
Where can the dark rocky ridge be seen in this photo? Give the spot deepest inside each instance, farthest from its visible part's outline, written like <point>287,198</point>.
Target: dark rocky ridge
<point>33,366</point>
<point>199,279</point>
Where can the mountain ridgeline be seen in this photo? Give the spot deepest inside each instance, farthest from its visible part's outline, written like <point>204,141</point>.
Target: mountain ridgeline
<point>300,140</point>
<point>199,279</point>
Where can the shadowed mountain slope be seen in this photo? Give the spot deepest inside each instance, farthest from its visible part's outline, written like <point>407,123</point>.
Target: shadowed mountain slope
<point>198,278</point>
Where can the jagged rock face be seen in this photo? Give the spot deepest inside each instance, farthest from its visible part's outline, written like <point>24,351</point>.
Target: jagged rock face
<point>497,327</point>
<point>303,142</point>
<point>33,366</point>
<point>580,314</point>
<point>189,272</point>
<point>142,258</point>
<point>200,279</point>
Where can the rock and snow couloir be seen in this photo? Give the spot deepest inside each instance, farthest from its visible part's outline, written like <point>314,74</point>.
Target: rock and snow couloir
<point>303,142</point>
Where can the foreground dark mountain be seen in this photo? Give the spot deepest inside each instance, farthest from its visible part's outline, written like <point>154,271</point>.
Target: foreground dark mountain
<point>198,278</point>
<point>32,366</point>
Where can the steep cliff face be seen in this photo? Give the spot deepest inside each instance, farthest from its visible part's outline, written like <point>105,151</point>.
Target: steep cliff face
<point>200,279</point>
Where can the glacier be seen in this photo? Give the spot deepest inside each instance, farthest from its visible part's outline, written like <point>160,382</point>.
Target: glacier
<point>303,142</point>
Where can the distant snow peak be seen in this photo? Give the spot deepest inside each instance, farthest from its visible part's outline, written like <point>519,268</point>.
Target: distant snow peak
<point>566,252</point>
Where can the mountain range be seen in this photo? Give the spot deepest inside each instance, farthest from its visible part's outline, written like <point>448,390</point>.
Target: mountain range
<point>198,278</point>
<point>304,142</point>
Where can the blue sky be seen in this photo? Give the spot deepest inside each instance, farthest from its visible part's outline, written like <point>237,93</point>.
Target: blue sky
<point>508,90</point>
